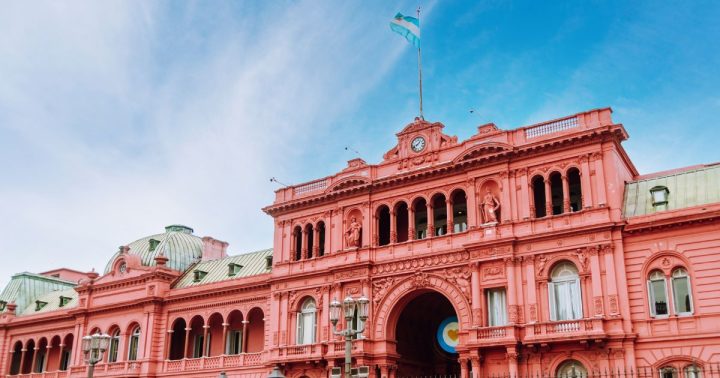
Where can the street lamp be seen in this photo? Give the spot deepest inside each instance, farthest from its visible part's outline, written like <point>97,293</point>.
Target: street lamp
<point>348,307</point>
<point>94,348</point>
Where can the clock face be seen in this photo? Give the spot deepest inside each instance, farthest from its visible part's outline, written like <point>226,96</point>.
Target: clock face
<point>418,144</point>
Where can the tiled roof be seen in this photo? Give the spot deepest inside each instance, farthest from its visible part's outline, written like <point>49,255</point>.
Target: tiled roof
<point>253,263</point>
<point>691,187</point>
<point>24,288</point>
<point>52,300</point>
<point>178,244</point>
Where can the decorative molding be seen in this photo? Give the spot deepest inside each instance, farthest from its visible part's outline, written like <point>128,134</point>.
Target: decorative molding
<point>421,262</point>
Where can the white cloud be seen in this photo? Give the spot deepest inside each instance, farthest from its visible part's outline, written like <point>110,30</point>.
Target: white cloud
<point>114,130</point>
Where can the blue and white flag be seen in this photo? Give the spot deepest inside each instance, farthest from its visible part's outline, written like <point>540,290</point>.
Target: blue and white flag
<point>408,27</point>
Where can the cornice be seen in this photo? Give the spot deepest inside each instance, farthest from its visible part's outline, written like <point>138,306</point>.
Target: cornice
<point>603,133</point>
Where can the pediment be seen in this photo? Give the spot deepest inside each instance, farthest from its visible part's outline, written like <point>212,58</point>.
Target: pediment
<point>488,148</point>
<point>348,182</point>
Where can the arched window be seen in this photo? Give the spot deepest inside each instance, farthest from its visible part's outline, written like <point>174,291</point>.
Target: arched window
<point>357,323</point>
<point>668,372</point>
<point>564,293</point>
<point>573,176</point>
<point>538,188</point>
<point>133,344</point>
<point>401,222</point>
<point>693,371</point>
<point>572,369</point>
<point>114,345</point>
<point>306,322</point>
<point>556,192</point>
<point>421,218</point>
<point>310,235</point>
<point>321,238</point>
<point>681,292</point>
<point>657,294</point>
<point>439,215</point>
<point>297,235</point>
<point>459,209</point>
<point>383,224</point>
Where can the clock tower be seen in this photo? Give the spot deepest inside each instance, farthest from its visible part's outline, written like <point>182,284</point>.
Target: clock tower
<point>419,143</point>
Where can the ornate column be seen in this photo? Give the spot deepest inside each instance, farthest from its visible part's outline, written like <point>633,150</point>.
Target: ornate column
<point>610,280</point>
<point>599,178</point>
<point>304,244</point>
<point>411,223</point>
<point>48,349</point>
<point>512,361</point>
<point>548,198</point>
<point>376,229</point>
<point>585,186</point>
<point>476,294</point>
<point>316,241</point>
<point>505,195</point>
<point>463,368</point>
<point>430,220</point>
<point>384,371</point>
<point>526,197</point>
<point>187,341</point>
<point>224,337</point>
<point>513,192</point>
<point>244,335</point>
<point>206,329</point>
<point>531,294</point>
<point>511,282</point>
<point>393,227</point>
<point>566,194</point>
<point>475,364</point>
<point>11,354</point>
<point>34,359</point>
<point>471,201</point>
<point>450,216</point>
<point>598,309</point>
<point>23,352</point>
<point>168,344</point>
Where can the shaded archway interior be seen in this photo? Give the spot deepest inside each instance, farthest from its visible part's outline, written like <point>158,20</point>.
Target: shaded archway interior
<point>417,345</point>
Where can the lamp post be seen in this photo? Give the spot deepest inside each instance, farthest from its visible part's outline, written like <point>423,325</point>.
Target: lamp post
<point>94,348</point>
<point>348,307</point>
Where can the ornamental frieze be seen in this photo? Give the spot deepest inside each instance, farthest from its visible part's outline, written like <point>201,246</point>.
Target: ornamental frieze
<point>421,262</point>
<point>460,276</point>
<point>380,288</point>
<point>489,252</point>
<point>350,274</point>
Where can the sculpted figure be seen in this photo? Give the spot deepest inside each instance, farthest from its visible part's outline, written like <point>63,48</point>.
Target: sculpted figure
<point>352,234</point>
<point>490,204</point>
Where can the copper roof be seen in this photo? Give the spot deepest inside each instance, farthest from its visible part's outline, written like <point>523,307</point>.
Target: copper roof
<point>252,263</point>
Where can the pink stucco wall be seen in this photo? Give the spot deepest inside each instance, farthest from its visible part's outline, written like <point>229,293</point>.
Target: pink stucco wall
<point>612,255</point>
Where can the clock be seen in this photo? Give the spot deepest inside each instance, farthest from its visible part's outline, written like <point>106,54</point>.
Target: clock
<point>418,144</point>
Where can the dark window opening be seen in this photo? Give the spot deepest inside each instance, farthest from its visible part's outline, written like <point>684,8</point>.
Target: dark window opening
<point>538,186</point>
<point>556,193</point>
<point>401,222</point>
<point>575,189</point>
<point>383,225</point>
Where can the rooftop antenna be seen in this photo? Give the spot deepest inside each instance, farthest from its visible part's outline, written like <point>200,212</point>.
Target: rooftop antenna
<point>273,179</point>
<point>348,148</point>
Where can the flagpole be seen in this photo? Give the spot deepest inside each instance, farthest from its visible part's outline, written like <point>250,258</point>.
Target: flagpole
<point>420,70</point>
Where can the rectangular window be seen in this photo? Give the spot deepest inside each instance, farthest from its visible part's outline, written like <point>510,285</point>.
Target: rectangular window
<point>113,352</point>
<point>681,295</point>
<point>234,342</point>
<point>658,297</point>
<point>496,307</point>
<point>134,341</point>
<point>565,300</point>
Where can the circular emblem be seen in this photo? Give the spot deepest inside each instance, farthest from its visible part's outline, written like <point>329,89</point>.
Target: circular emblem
<point>418,144</point>
<point>447,334</point>
<point>123,268</point>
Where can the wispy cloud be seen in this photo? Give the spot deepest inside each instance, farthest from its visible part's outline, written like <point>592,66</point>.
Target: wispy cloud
<point>121,117</point>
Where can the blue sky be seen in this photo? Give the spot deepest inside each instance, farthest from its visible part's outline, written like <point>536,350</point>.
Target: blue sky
<point>118,118</point>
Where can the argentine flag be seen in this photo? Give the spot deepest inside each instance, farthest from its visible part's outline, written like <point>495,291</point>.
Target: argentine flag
<point>408,27</point>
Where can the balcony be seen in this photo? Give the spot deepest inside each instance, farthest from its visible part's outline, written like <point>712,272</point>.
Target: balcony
<point>54,374</point>
<point>300,352</point>
<point>125,369</point>
<point>489,336</point>
<point>214,362</point>
<point>336,349</point>
<point>565,330</point>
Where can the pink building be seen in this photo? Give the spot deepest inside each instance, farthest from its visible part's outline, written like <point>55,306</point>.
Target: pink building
<point>539,250</point>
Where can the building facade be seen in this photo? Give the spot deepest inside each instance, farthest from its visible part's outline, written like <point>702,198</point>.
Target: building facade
<point>539,250</point>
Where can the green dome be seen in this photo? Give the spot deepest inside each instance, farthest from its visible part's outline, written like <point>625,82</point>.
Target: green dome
<point>178,244</point>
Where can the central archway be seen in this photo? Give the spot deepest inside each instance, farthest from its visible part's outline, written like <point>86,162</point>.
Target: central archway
<point>416,334</point>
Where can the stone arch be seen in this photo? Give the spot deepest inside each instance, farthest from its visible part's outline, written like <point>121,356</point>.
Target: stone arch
<point>391,305</point>
<point>560,359</point>
<point>674,260</point>
<point>678,361</point>
<point>556,260</point>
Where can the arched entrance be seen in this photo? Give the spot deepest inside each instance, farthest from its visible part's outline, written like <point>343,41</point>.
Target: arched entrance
<point>418,344</point>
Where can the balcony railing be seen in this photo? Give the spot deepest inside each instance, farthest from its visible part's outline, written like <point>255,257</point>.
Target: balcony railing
<point>551,127</point>
<point>494,335</point>
<point>300,352</point>
<point>214,362</point>
<point>571,329</point>
<point>54,374</point>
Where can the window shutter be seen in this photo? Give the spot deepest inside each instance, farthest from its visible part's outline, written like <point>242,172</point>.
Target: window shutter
<point>651,298</point>
<point>551,299</point>
<point>299,338</point>
<point>577,300</point>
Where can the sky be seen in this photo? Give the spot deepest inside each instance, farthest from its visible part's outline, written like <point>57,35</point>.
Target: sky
<point>118,118</point>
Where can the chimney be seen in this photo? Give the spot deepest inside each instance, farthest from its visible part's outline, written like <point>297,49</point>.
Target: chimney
<point>213,249</point>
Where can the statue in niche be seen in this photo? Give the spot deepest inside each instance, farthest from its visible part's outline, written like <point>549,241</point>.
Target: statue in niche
<point>490,205</point>
<point>352,234</point>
